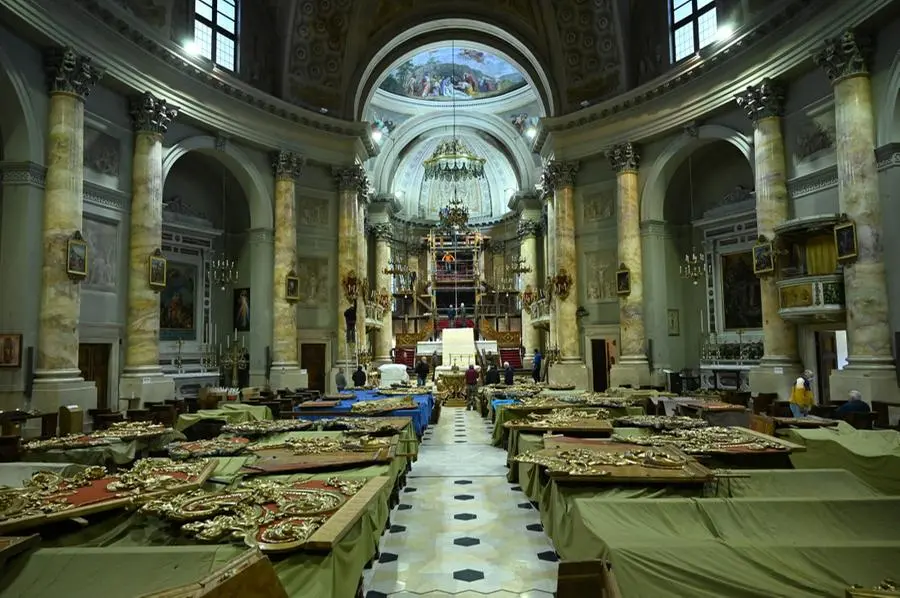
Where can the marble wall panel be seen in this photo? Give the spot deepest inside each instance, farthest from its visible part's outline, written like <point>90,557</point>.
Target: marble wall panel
<point>313,273</point>
<point>102,238</point>
<point>600,275</point>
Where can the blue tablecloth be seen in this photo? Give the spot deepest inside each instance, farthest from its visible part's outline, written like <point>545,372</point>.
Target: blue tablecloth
<point>420,416</point>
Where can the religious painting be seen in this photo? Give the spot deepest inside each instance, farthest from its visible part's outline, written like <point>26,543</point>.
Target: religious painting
<point>292,288</point>
<point>460,73</point>
<point>177,303</point>
<point>740,292</point>
<point>242,310</point>
<point>623,281</point>
<point>763,258</point>
<point>157,271</point>
<point>77,256</point>
<point>102,238</point>
<point>10,350</point>
<point>845,241</point>
<point>313,272</point>
<point>673,322</point>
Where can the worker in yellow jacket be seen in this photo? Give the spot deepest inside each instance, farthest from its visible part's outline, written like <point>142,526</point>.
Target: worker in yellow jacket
<point>801,395</point>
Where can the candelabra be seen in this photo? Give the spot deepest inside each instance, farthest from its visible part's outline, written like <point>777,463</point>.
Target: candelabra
<point>364,356</point>
<point>178,360</point>
<point>222,272</point>
<point>694,266</point>
<point>518,267</point>
<point>553,354</point>
<point>234,358</point>
<point>208,358</point>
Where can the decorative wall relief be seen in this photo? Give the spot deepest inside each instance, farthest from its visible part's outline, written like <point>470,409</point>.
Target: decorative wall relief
<point>600,275</point>
<point>599,206</point>
<point>102,239</point>
<point>812,139</point>
<point>102,152</point>
<point>313,273</point>
<point>313,212</point>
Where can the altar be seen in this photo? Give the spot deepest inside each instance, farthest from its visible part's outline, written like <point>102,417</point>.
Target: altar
<point>428,348</point>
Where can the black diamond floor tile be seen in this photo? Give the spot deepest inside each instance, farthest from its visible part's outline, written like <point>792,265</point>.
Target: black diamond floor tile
<point>468,575</point>
<point>516,488</point>
<point>534,527</point>
<point>374,594</point>
<point>549,556</point>
<point>524,505</point>
<point>404,507</point>
<point>408,490</point>
<point>467,542</point>
<point>387,557</point>
<point>463,497</point>
<point>463,482</point>
<point>396,529</point>
<point>465,516</point>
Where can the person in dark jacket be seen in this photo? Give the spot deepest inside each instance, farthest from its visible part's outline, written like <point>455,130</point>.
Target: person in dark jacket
<point>536,369</point>
<point>854,405</point>
<point>359,377</point>
<point>451,316</point>
<point>350,321</point>
<point>471,387</point>
<point>340,380</point>
<point>492,376</point>
<point>508,373</point>
<point>422,371</point>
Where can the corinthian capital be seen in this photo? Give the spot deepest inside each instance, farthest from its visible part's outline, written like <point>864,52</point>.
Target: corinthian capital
<point>150,114</point>
<point>528,228</point>
<point>558,174</point>
<point>70,72</point>
<point>287,165</point>
<point>382,231</point>
<point>763,100</point>
<point>352,178</point>
<point>624,157</point>
<point>845,56</point>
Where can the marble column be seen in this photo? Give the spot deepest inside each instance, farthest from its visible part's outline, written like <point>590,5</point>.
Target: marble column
<point>528,231</point>
<point>870,363</point>
<point>560,178</point>
<point>286,372</point>
<point>764,106</point>
<point>632,368</point>
<point>142,376</point>
<point>550,266</point>
<point>382,232</point>
<point>58,380</point>
<point>362,258</point>
<point>262,285</point>
<point>352,183</point>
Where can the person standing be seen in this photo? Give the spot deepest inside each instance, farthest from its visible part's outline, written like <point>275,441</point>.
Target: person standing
<point>462,315</point>
<point>451,316</point>
<point>421,371</point>
<point>492,376</point>
<point>350,323</point>
<point>508,373</point>
<point>536,369</point>
<point>435,362</point>
<point>471,387</point>
<point>340,380</point>
<point>801,395</point>
<point>359,377</point>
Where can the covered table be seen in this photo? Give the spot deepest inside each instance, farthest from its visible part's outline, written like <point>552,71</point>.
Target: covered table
<point>232,413</point>
<point>117,452</point>
<point>420,416</point>
<point>872,455</point>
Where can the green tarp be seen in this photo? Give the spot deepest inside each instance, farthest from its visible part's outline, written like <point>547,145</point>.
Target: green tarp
<point>232,413</point>
<point>872,455</point>
<point>790,547</point>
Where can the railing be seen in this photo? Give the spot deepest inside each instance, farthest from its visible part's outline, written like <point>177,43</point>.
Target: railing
<point>812,298</point>
<point>746,353</point>
<point>540,311</point>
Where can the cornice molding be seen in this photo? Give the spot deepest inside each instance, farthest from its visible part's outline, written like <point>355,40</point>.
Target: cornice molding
<point>887,157</point>
<point>35,175</point>
<point>203,94</point>
<point>649,111</point>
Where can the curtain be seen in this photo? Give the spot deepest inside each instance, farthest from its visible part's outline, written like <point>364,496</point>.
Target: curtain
<point>821,255</point>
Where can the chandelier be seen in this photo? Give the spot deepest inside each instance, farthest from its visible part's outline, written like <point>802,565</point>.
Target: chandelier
<point>518,267</point>
<point>693,266</point>
<point>396,267</point>
<point>455,215</point>
<point>453,161</point>
<point>222,272</point>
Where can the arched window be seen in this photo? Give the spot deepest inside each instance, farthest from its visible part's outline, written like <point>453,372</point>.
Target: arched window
<point>216,31</point>
<point>693,26</point>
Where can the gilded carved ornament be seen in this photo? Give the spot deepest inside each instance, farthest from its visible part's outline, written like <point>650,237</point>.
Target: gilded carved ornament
<point>382,231</point>
<point>70,72</point>
<point>624,157</point>
<point>558,175</point>
<point>762,101</point>
<point>845,56</point>
<point>352,178</point>
<point>528,228</point>
<point>287,165</point>
<point>150,114</point>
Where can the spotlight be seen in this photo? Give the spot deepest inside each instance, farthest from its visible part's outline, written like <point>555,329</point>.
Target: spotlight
<point>725,32</point>
<point>530,132</point>
<point>191,47</point>
<point>377,136</point>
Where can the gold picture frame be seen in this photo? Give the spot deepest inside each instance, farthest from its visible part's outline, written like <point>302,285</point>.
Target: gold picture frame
<point>623,280</point>
<point>846,246</point>
<point>673,322</point>
<point>157,270</point>
<point>77,256</point>
<point>10,350</point>
<point>763,258</point>
<point>292,287</point>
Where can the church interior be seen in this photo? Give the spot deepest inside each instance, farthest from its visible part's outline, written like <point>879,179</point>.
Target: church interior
<point>522,298</point>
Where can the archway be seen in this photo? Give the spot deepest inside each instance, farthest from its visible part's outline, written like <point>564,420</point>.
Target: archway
<point>21,136</point>
<point>889,108</point>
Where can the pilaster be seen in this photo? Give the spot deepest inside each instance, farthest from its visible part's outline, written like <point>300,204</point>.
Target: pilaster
<point>352,184</point>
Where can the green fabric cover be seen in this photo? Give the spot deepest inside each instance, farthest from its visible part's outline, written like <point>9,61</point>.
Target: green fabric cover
<point>791,548</point>
<point>872,455</point>
<point>233,413</point>
<point>116,453</point>
<point>499,435</point>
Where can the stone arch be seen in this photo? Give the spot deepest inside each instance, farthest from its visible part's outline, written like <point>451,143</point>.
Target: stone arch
<point>500,41</point>
<point>257,189</point>
<point>387,161</point>
<point>22,139</point>
<point>888,118</point>
<point>653,196</point>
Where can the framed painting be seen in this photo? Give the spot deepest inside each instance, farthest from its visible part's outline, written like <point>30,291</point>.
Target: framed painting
<point>178,303</point>
<point>763,258</point>
<point>156,271</point>
<point>673,322</point>
<point>845,242</point>
<point>77,256</point>
<point>10,350</point>
<point>739,292</point>
<point>292,287</point>
<point>623,281</point>
<point>242,310</point>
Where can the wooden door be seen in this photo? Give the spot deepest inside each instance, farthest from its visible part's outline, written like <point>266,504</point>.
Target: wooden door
<point>312,359</point>
<point>93,361</point>
<point>599,364</point>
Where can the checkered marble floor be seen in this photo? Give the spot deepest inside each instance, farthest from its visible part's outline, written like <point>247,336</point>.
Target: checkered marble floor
<point>461,529</point>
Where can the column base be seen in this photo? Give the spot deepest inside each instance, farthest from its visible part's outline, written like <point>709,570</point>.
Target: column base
<point>777,378</point>
<point>49,395</point>
<point>381,360</point>
<point>569,373</point>
<point>145,387</point>
<point>288,376</point>
<point>873,384</point>
<point>528,362</point>
<point>634,373</point>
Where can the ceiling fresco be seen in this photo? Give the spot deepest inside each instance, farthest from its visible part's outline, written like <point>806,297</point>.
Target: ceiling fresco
<point>453,73</point>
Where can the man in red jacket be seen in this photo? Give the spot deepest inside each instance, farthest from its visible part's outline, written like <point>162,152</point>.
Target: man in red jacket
<point>471,387</point>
